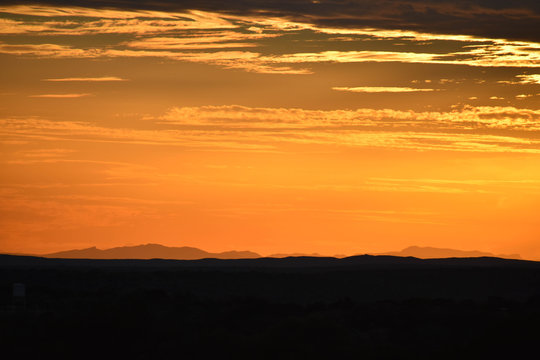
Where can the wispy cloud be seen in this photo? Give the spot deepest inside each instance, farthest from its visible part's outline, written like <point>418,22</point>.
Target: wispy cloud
<point>49,11</point>
<point>110,21</point>
<point>60,96</point>
<point>239,128</point>
<point>467,118</point>
<point>254,61</point>
<point>46,153</point>
<point>245,60</point>
<point>524,79</point>
<point>529,79</point>
<point>453,186</point>
<point>89,79</point>
<point>200,40</point>
<point>515,55</point>
<point>380,89</point>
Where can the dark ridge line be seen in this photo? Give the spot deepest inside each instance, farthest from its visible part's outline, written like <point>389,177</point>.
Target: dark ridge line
<point>358,261</point>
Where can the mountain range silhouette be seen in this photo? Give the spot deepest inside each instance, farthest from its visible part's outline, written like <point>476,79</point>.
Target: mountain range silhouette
<point>150,251</point>
<point>157,251</point>
<point>439,253</point>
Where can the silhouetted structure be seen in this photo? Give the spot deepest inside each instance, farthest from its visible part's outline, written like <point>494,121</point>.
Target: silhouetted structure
<point>19,296</point>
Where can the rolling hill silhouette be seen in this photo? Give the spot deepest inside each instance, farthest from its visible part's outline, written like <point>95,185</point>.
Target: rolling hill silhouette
<point>150,251</point>
<point>439,253</point>
<point>288,263</point>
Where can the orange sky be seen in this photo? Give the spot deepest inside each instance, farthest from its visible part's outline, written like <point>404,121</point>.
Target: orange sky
<point>255,132</point>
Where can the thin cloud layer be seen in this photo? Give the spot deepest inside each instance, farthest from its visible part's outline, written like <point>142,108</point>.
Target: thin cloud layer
<point>474,129</point>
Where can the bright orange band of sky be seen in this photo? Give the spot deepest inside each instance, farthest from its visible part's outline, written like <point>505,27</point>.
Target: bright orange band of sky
<point>264,133</point>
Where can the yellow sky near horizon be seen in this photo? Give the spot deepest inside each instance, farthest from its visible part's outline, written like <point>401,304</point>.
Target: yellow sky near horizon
<point>228,132</point>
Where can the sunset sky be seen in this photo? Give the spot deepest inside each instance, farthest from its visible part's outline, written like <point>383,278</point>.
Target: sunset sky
<point>273,126</point>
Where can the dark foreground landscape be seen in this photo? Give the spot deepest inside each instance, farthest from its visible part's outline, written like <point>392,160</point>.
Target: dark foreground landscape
<point>363,307</point>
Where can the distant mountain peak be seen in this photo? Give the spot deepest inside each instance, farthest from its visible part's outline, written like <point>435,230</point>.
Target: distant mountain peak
<point>150,251</point>
<point>427,252</point>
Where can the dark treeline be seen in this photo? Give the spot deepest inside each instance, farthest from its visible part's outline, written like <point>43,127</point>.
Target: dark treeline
<point>387,312</point>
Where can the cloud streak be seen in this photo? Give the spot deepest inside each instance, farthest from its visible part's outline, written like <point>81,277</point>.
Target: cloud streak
<point>60,96</point>
<point>87,79</point>
<point>380,89</point>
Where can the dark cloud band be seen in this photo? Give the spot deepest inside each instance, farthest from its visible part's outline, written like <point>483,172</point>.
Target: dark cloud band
<point>518,19</point>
